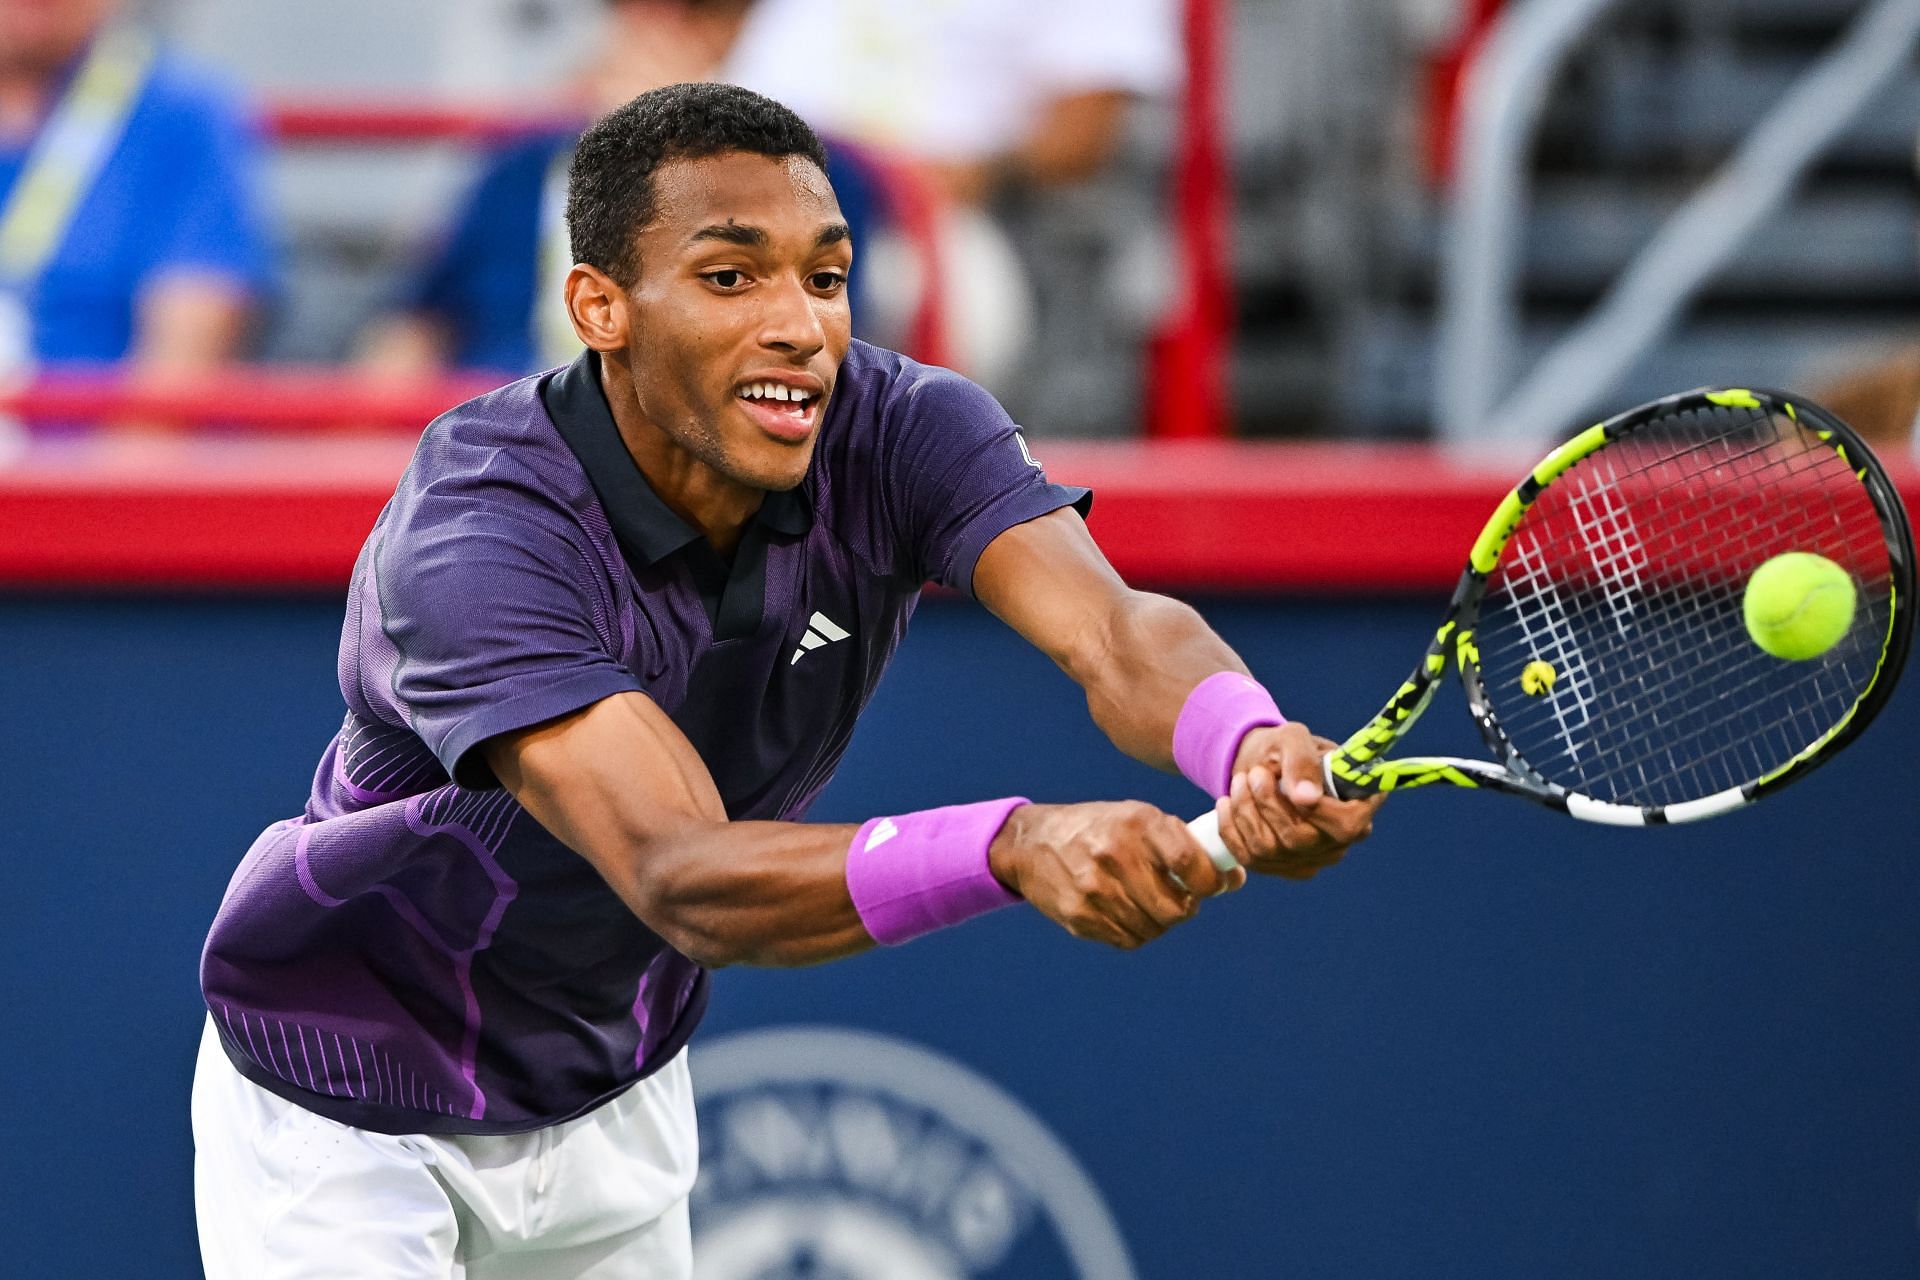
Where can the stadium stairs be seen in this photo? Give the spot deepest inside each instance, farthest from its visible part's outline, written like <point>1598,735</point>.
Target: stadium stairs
<point>1649,106</point>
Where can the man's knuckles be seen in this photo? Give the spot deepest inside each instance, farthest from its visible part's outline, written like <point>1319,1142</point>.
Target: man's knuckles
<point>1134,816</point>
<point>1092,881</point>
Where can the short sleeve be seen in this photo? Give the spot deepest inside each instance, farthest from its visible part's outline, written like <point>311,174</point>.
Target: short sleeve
<point>960,474</point>
<point>219,225</point>
<point>498,624</point>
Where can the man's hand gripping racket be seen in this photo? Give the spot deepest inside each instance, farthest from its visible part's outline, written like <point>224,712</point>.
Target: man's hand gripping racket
<point>1613,640</point>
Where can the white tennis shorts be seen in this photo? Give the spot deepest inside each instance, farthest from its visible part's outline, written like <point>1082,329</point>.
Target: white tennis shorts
<point>284,1194</point>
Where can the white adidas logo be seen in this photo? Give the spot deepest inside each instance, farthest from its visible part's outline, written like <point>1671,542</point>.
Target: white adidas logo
<point>820,630</point>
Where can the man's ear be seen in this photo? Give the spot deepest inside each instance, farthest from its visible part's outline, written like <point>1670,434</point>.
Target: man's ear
<point>598,308</point>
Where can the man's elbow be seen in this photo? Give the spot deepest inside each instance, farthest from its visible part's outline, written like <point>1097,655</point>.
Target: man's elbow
<point>704,950</point>
<point>719,911</point>
<point>713,945</point>
<point>714,937</point>
<point>666,911</point>
<point>1138,627</point>
<point>707,947</point>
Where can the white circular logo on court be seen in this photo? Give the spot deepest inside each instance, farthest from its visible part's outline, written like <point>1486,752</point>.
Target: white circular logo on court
<point>829,1154</point>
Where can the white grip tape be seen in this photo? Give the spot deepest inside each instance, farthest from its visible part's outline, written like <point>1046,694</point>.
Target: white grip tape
<point>1206,829</point>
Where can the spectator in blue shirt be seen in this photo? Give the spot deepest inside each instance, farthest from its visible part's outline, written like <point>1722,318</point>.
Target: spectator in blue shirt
<point>151,246</point>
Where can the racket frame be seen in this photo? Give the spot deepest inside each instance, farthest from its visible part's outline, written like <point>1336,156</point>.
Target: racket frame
<point>1358,767</point>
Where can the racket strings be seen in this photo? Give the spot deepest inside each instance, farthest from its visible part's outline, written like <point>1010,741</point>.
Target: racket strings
<point>1627,576</point>
<point>1733,695</point>
<point>1547,630</point>
<point>1677,631</point>
<point>1661,706</point>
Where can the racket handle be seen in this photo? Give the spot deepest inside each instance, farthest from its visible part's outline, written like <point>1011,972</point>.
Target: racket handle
<point>1206,829</point>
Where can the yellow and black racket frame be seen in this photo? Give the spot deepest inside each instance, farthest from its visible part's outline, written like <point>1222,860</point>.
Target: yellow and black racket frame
<point>1358,767</point>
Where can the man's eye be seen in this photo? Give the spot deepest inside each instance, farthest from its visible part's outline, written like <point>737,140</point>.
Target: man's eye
<point>726,279</point>
<point>827,281</point>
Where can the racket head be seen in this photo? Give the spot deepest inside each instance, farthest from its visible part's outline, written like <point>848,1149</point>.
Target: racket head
<point>1621,564</point>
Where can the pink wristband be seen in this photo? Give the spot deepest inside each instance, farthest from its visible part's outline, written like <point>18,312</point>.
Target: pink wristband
<point>916,872</point>
<point>1218,713</point>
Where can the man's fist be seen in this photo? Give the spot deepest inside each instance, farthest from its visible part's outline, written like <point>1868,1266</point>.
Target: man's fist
<point>1278,819</point>
<point>1121,873</point>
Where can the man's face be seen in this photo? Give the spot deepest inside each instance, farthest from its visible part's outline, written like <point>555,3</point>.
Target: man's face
<point>45,33</point>
<point>739,318</point>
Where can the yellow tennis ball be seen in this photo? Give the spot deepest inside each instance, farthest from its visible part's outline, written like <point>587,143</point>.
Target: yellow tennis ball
<point>1537,677</point>
<point>1798,605</point>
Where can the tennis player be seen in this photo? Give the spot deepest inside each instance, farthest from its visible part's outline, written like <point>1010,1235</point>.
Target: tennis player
<point>602,650</point>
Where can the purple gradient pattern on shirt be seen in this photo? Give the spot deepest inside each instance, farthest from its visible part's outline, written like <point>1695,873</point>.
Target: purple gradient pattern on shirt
<point>414,952</point>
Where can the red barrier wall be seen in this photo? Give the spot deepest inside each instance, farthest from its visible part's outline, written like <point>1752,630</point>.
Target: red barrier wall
<point>247,512</point>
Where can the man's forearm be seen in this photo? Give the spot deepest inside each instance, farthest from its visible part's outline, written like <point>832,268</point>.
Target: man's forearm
<point>757,893</point>
<point>1139,666</point>
<point>618,784</point>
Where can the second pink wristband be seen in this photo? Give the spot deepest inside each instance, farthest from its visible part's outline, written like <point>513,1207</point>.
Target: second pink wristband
<point>913,873</point>
<point>1217,715</point>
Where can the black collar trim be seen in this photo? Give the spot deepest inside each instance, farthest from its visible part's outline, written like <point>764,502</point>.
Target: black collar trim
<point>734,595</point>
<point>647,528</point>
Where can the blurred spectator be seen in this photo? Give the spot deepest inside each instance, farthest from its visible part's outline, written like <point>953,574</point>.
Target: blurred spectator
<point>490,297</point>
<point>982,97</point>
<point>129,225</point>
<point>992,97</point>
<point>1879,398</point>
<point>986,93</point>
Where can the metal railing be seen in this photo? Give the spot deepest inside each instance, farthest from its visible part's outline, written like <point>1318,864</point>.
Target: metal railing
<point>1480,321</point>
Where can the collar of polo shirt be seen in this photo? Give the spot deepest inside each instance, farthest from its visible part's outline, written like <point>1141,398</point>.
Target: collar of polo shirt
<point>647,529</point>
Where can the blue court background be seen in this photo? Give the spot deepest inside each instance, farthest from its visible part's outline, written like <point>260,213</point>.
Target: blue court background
<point>1494,1044</point>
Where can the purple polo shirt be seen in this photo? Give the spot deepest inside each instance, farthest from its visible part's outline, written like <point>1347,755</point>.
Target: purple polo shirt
<point>415,953</point>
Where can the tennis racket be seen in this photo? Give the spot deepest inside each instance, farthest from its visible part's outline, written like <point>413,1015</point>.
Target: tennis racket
<point>1598,628</point>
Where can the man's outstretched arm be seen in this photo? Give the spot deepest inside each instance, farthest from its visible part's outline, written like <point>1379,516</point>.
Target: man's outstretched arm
<point>1139,657</point>
<point>619,784</point>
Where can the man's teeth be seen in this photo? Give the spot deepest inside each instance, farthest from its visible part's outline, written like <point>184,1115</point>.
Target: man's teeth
<point>773,391</point>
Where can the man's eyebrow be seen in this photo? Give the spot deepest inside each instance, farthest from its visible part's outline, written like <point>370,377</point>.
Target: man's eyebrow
<point>753,237</point>
<point>732,233</point>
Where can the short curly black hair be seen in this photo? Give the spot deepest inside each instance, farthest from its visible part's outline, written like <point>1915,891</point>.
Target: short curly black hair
<point>610,189</point>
